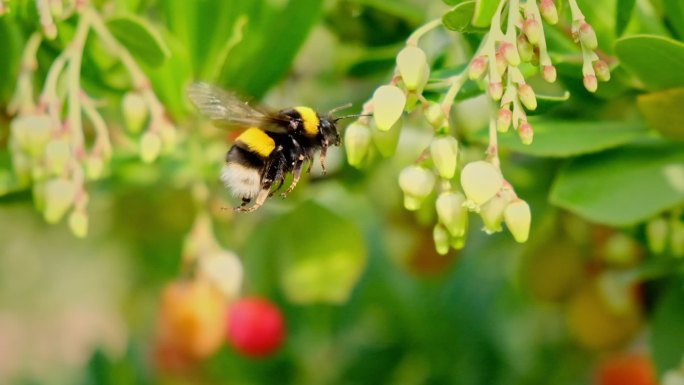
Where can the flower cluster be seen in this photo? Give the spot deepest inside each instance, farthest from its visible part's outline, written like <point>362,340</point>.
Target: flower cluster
<point>48,141</point>
<point>496,65</point>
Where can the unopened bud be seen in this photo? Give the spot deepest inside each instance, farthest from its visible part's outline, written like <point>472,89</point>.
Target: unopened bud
<point>656,234</point>
<point>587,36</point>
<point>480,180</point>
<point>435,115</point>
<point>224,270</point>
<point>590,83</point>
<point>169,136</point>
<point>78,223</point>
<point>677,238</point>
<point>526,133</point>
<point>549,73</point>
<point>150,147</point>
<point>32,132</point>
<point>59,196</point>
<point>386,141</point>
<point>57,155</point>
<point>602,70</point>
<point>356,142</point>
<point>510,53</point>
<point>492,213</point>
<point>413,67</point>
<point>525,48</point>
<point>3,7</point>
<point>496,90</point>
<point>388,104</point>
<point>548,11</point>
<point>477,67</point>
<point>615,289</point>
<point>444,152</point>
<point>56,8</point>
<point>457,243</point>
<point>135,112</point>
<point>532,30</point>
<point>451,212</point>
<point>527,97</point>
<point>518,219</point>
<point>673,377</point>
<point>94,166</point>
<point>441,237</point>
<point>417,184</point>
<point>501,63</point>
<point>503,119</point>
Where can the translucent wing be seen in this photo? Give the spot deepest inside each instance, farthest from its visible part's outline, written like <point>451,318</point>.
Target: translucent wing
<point>227,110</point>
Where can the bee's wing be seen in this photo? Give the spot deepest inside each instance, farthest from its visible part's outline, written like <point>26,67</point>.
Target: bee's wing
<point>227,110</point>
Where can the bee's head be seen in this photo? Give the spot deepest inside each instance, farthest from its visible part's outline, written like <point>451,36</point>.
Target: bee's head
<point>328,131</point>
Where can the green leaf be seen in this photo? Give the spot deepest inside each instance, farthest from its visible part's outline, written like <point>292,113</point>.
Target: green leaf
<point>667,333</point>
<point>484,11</point>
<point>624,186</point>
<point>321,255</point>
<point>663,112</point>
<point>561,139</point>
<point>458,19</point>
<point>271,40</point>
<point>656,60</point>
<point>624,11</point>
<point>140,39</point>
<point>674,11</point>
<point>453,2</point>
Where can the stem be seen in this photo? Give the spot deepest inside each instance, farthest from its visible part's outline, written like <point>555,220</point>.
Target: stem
<point>425,28</point>
<point>22,100</point>
<point>138,77</point>
<point>577,14</point>
<point>492,148</point>
<point>75,50</point>
<point>513,19</point>
<point>102,142</point>
<point>544,59</point>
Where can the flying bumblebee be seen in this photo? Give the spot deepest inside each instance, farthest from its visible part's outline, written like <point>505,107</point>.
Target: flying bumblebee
<point>272,145</point>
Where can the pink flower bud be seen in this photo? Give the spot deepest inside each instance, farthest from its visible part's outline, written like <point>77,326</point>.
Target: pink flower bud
<point>587,36</point>
<point>510,53</point>
<point>548,11</point>
<point>135,112</point>
<point>477,67</point>
<point>526,133</point>
<point>59,195</point>
<point>496,90</point>
<point>150,147</point>
<point>602,70</point>
<point>501,62</point>
<point>444,152</point>
<point>532,30</point>
<point>549,73</point>
<point>527,97</point>
<point>503,119</point>
<point>590,83</point>
<point>525,49</point>
<point>416,183</point>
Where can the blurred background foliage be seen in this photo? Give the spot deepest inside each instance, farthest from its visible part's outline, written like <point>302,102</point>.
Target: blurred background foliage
<point>365,296</point>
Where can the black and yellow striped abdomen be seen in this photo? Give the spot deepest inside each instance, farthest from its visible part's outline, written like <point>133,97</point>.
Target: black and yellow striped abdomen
<point>256,141</point>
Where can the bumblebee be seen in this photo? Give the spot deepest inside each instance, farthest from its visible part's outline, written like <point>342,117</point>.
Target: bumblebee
<point>272,145</point>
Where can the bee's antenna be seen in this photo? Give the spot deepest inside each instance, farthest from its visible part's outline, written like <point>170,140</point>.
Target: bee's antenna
<point>342,107</point>
<point>351,116</point>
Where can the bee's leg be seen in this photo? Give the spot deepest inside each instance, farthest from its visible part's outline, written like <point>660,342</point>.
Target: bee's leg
<point>296,173</point>
<point>324,150</point>
<point>274,172</point>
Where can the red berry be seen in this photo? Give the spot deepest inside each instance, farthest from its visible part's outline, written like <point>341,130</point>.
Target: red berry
<point>628,369</point>
<point>255,327</point>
